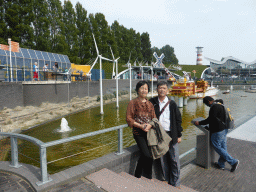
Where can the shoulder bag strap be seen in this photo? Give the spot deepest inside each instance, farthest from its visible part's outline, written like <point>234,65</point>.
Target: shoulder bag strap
<point>164,108</point>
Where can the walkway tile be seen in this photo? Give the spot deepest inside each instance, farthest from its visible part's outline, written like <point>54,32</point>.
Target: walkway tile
<point>243,179</point>
<point>246,131</point>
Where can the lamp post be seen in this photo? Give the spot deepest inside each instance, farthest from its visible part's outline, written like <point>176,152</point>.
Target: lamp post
<point>10,50</point>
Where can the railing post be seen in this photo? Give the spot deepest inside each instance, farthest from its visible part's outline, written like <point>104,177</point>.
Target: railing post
<point>14,153</point>
<point>120,142</point>
<point>43,167</point>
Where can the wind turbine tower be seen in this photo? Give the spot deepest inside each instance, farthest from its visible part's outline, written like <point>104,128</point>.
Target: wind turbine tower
<point>199,60</point>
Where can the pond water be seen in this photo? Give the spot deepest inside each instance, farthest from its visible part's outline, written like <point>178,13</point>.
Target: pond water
<point>74,153</point>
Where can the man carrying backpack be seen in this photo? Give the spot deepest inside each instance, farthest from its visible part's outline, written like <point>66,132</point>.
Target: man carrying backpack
<point>218,132</point>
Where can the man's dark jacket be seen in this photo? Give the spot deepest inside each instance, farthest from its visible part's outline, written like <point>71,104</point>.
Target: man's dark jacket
<point>215,125</point>
<point>175,118</point>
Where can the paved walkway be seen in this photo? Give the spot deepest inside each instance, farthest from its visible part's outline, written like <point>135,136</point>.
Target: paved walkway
<point>241,145</point>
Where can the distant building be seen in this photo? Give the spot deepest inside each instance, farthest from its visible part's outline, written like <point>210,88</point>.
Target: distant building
<point>19,64</point>
<point>229,66</point>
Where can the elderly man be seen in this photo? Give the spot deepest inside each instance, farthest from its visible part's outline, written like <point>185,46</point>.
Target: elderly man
<point>170,118</point>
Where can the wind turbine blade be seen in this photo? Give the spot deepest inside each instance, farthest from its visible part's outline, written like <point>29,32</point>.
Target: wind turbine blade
<point>94,63</point>
<point>106,59</point>
<point>117,58</point>
<point>112,53</point>
<point>130,57</point>
<point>95,45</point>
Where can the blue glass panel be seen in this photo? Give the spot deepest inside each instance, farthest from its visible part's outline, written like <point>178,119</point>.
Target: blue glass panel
<point>51,56</point>
<point>62,58</point>
<point>45,55</point>
<point>18,54</point>
<point>51,65</point>
<point>25,53</point>
<point>41,65</point>
<point>66,59</point>
<point>64,66</point>
<point>19,62</point>
<point>32,53</point>
<point>27,63</point>
<point>3,60</point>
<point>39,55</point>
<point>57,57</point>
<point>2,52</point>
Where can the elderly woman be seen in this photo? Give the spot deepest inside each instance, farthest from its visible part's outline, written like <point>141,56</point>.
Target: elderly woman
<point>139,112</point>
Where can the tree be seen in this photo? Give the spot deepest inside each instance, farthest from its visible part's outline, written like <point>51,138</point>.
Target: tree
<point>155,49</point>
<point>41,25</point>
<point>70,31</point>
<point>103,35</point>
<point>95,31</point>
<point>19,17</point>
<point>116,30</point>
<point>139,56</point>
<point>146,47</point>
<point>84,34</point>
<point>3,27</point>
<point>170,57</point>
<point>57,40</point>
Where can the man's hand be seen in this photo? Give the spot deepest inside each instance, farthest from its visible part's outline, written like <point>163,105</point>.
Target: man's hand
<point>179,140</point>
<point>197,123</point>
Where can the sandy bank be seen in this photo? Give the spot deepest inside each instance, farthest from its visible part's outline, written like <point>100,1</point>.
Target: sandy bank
<point>21,118</point>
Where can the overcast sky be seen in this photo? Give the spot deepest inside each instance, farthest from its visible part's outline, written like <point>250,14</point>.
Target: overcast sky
<point>223,27</point>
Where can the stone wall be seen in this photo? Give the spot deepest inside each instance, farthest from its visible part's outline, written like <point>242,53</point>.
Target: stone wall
<point>11,95</point>
<point>18,94</point>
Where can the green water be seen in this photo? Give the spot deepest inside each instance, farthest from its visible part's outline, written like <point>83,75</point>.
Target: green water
<point>80,151</point>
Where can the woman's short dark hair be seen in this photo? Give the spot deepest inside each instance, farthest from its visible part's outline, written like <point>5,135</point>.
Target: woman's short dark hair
<point>141,83</point>
<point>160,83</point>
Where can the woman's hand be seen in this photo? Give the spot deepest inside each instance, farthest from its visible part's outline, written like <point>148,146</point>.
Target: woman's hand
<point>146,127</point>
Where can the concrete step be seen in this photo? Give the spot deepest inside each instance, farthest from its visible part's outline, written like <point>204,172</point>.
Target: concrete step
<point>111,181</point>
<point>182,187</point>
<point>147,183</point>
<point>124,182</point>
<point>157,184</point>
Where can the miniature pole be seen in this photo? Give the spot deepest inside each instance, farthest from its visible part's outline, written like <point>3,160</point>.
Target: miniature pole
<point>152,80</point>
<point>117,101</point>
<point>101,92</point>
<point>130,70</point>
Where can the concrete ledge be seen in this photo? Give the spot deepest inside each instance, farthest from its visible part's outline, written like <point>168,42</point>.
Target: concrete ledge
<point>118,163</point>
<point>44,82</point>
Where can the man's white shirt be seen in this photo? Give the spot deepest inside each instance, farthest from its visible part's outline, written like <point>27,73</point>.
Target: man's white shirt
<point>165,116</point>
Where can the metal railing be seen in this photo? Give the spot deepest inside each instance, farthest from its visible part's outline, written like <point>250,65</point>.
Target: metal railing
<point>42,147</point>
<point>43,153</point>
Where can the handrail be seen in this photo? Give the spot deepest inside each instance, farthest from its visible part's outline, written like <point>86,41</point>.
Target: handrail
<point>42,147</point>
<point>65,140</point>
<point>25,137</point>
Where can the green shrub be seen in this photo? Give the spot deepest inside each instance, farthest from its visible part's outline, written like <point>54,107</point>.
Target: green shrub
<point>108,96</point>
<point>98,99</point>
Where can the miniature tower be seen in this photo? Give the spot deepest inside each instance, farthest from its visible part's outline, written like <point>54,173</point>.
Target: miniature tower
<point>199,60</point>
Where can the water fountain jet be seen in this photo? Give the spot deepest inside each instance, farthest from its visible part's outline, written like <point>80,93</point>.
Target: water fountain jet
<point>64,126</point>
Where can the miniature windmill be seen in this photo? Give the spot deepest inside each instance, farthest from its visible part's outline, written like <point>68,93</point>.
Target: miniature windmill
<point>159,60</point>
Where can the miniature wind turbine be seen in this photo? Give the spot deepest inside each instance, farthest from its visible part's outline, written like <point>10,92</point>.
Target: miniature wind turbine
<point>89,73</point>
<point>115,61</point>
